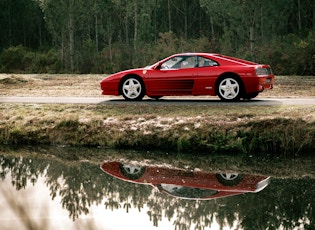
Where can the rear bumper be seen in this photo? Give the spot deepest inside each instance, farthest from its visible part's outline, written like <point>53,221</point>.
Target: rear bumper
<point>266,82</point>
<point>259,83</point>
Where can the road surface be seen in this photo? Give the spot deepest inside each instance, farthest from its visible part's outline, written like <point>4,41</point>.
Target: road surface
<point>164,100</point>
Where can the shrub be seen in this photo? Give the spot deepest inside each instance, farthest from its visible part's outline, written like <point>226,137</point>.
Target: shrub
<point>15,59</point>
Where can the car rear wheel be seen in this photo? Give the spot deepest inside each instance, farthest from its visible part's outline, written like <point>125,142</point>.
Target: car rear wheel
<point>229,89</point>
<point>132,172</point>
<point>132,88</point>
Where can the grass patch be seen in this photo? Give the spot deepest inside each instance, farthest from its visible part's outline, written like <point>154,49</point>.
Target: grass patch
<point>13,80</point>
<point>201,130</point>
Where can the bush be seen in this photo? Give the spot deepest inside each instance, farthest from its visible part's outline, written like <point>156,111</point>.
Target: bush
<point>46,62</point>
<point>18,59</point>
<point>15,59</point>
<point>290,54</point>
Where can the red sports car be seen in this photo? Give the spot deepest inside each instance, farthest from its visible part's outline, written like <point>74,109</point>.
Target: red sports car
<point>187,184</point>
<point>192,74</point>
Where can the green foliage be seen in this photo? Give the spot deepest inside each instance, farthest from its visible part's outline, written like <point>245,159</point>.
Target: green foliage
<point>21,60</point>
<point>290,54</point>
<point>14,59</point>
<point>79,39</point>
<point>119,57</point>
<point>46,62</point>
<point>87,57</point>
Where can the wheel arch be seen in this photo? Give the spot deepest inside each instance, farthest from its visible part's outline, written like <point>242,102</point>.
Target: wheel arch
<point>128,76</point>
<point>230,74</point>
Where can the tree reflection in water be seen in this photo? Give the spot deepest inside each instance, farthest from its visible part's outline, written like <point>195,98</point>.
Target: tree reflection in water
<point>287,203</point>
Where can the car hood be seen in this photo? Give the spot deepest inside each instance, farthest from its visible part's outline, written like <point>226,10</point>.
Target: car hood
<point>133,70</point>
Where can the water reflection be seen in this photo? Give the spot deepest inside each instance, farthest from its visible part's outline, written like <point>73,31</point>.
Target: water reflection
<point>187,184</point>
<point>81,191</point>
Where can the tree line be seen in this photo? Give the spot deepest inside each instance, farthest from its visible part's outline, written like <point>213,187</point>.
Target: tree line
<point>104,36</point>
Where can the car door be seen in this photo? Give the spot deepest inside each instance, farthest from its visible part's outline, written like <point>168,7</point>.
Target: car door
<point>205,76</point>
<point>173,77</point>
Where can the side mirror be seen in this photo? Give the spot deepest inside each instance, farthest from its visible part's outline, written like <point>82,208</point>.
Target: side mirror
<point>158,67</point>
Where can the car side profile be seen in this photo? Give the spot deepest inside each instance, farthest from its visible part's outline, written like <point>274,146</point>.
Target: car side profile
<point>192,74</point>
<point>187,184</point>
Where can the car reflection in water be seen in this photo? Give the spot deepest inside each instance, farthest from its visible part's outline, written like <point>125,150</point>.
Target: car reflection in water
<point>187,184</point>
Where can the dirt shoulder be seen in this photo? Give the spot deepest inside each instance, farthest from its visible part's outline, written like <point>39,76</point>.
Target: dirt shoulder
<point>88,85</point>
<point>50,85</point>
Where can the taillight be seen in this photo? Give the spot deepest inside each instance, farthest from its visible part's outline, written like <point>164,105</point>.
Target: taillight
<point>263,71</point>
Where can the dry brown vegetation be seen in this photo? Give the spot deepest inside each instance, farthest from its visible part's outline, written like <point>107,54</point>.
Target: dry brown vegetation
<point>88,85</point>
<point>52,85</point>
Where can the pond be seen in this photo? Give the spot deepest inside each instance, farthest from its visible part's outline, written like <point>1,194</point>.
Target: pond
<point>49,193</point>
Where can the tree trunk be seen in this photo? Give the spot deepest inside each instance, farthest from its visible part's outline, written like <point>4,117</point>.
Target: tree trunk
<point>252,41</point>
<point>71,35</point>
<point>96,28</point>
<point>169,15</point>
<point>109,37</point>
<point>135,35</point>
<point>299,15</point>
<point>40,42</point>
<point>126,29</point>
<point>10,24</point>
<point>63,50</point>
<point>212,26</point>
<point>186,19</point>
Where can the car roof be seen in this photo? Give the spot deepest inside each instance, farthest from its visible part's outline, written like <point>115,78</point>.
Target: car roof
<point>200,54</point>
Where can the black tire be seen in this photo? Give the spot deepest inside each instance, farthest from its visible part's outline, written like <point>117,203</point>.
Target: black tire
<point>132,88</point>
<point>155,97</point>
<point>229,89</point>
<point>229,179</point>
<point>132,172</point>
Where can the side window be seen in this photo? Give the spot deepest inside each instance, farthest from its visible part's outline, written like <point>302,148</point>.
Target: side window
<point>189,62</point>
<point>171,63</point>
<point>205,62</point>
<point>180,62</point>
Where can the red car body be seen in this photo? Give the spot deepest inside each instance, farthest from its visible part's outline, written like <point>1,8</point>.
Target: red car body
<point>192,74</point>
<point>188,184</point>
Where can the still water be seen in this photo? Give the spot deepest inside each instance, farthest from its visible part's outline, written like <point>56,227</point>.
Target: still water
<point>48,193</point>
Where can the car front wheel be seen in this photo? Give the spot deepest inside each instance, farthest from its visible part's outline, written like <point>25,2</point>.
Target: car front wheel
<point>229,179</point>
<point>229,89</point>
<point>132,88</point>
<point>155,97</point>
